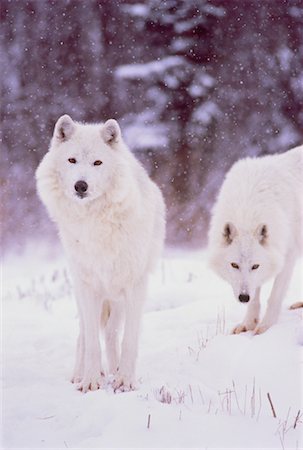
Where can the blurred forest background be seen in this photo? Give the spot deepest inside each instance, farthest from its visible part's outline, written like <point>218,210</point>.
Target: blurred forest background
<point>195,85</point>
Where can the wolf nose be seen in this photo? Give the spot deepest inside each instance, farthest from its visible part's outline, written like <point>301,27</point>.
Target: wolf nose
<point>81,186</point>
<point>244,298</point>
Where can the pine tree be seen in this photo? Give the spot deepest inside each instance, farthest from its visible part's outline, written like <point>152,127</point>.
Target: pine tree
<point>182,39</point>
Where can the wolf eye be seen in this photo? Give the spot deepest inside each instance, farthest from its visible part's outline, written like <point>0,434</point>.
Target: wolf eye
<point>98,162</point>
<point>255,266</point>
<point>72,160</point>
<point>234,265</point>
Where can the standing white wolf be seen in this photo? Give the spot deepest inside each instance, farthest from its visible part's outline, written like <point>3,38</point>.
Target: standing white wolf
<point>111,221</point>
<point>256,231</point>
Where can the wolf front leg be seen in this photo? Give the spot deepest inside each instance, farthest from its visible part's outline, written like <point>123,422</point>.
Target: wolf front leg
<point>112,334</point>
<point>79,363</point>
<point>134,301</point>
<point>252,315</point>
<point>90,307</point>
<point>277,295</point>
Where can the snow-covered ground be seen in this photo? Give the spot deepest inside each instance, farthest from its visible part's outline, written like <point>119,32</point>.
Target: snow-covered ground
<point>199,386</point>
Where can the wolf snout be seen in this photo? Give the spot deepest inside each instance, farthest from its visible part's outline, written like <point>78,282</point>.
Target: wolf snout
<point>81,188</point>
<point>244,298</point>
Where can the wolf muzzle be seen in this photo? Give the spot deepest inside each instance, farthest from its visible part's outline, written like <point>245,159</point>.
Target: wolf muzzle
<point>81,188</point>
<point>244,298</point>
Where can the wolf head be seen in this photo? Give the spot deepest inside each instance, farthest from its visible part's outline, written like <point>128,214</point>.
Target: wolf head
<point>245,259</point>
<point>85,157</point>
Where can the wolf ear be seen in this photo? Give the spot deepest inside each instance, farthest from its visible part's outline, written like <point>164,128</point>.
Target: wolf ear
<point>229,233</point>
<point>111,131</point>
<point>261,234</point>
<point>64,128</point>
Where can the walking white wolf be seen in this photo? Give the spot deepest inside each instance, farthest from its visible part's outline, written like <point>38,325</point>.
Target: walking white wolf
<point>256,231</point>
<point>111,221</point>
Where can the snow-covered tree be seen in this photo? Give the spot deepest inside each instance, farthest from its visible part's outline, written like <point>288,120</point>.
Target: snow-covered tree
<point>196,84</point>
<point>175,83</point>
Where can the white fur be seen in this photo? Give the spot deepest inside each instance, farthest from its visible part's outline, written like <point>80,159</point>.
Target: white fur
<point>112,238</point>
<point>259,192</point>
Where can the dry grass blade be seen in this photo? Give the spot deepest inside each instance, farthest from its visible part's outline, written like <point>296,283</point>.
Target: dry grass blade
<point>297,419</point>
<point>271,405</point>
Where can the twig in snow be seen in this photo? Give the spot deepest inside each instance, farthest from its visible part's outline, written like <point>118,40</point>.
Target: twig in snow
<point>220,325</point>
<point>191,393</point>
<point>148,421</point>
<point>209,406</point>
<point>201,395</point>
<point>253,400</point>
<point>283,429</point>
<point>245,395</point>
<point>226,398</point>
<point>297,419</point>
<point>260,404</point>
<point>236,397</point>
<point>230,392</point>
<point>190,350</point>
<point>282,441</point>
<point>46,418</point>
<point>164,396</point>
<point>180,398</point>
<point>271,405</point>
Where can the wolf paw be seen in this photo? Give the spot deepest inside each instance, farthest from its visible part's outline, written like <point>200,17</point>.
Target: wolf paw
<point>124,383</point>
<point>245,326</point>
<point>90,383</point>
<point>261,328</point>
<point>77,374</point>
<point>239,329</point>
<point>76,378</point>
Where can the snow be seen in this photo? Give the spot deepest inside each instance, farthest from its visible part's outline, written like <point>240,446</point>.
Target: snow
<point>198,386</point>
<point>142,71</point>
<point>137,9</point>
<point>145,136</point>
<point>206,112</point>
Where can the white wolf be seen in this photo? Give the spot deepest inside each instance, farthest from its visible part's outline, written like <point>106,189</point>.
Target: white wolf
<point>111,221</point>
<point>256,231</point>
